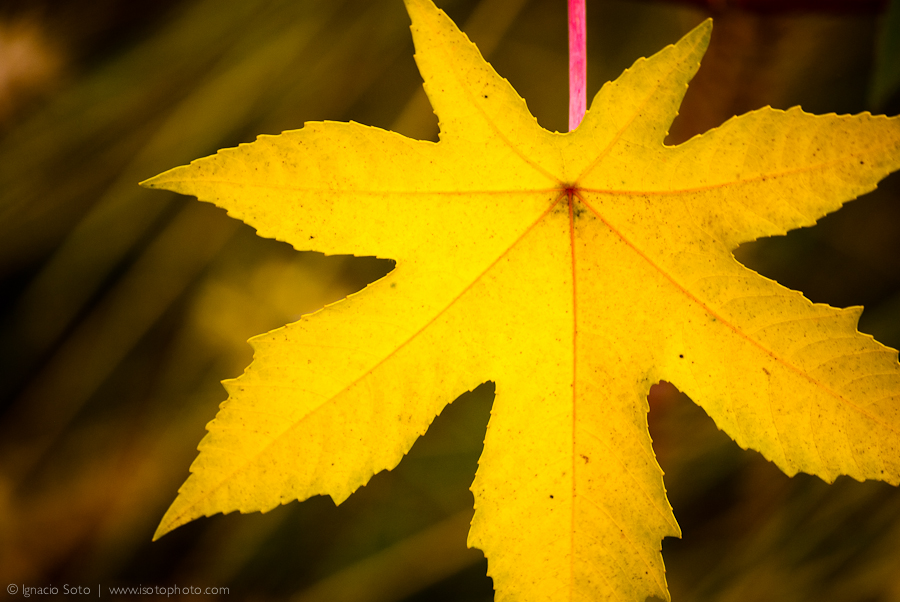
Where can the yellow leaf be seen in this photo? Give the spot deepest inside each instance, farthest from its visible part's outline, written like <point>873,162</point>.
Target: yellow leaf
<point>575,271</point>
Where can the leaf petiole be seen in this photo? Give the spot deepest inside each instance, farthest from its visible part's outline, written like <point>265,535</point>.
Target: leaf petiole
<point>577,63</point>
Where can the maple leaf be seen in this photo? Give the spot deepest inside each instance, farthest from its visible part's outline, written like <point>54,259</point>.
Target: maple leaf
<point>575,271</point>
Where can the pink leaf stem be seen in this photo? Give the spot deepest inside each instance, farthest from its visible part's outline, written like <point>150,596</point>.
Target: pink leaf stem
<point>577,63</point>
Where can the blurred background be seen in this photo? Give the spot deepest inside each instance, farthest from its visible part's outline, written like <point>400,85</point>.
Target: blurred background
<point>123,308</point>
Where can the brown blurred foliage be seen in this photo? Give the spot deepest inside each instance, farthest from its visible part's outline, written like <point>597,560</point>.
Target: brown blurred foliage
<point>123,308</point>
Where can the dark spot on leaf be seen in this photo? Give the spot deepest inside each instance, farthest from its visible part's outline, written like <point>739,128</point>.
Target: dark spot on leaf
<point>586,459</point>
<point>681,356</point>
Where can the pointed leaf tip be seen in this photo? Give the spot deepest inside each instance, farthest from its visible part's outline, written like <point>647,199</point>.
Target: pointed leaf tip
<point>700,36</point>
<point>414,7</point>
